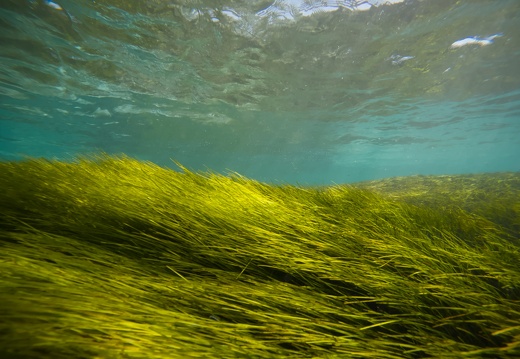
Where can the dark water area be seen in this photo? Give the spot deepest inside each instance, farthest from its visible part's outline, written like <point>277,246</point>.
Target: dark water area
<point>279,91</point>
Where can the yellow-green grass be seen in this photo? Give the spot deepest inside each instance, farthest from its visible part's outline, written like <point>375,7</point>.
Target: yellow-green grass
<point>109,257</point>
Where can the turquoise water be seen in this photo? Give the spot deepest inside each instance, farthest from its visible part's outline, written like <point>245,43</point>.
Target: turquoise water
<point>281,91</point>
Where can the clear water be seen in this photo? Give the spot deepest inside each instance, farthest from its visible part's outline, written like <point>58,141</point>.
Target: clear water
<point>307,92</point>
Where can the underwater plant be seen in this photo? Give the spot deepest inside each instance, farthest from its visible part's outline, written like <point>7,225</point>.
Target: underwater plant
<point>110,257</point>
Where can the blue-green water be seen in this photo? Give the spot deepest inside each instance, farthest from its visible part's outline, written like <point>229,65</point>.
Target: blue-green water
<point>273,90</point>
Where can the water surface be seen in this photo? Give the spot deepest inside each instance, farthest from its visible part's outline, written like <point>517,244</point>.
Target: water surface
<point>306,92</point>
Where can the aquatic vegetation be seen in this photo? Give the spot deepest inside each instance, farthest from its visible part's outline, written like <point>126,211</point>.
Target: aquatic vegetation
<point>114,258</point>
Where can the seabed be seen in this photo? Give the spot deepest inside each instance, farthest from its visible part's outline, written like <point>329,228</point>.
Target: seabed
<point>110,257</point>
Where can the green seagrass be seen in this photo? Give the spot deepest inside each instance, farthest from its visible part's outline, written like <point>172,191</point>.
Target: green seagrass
<point>110,257</point>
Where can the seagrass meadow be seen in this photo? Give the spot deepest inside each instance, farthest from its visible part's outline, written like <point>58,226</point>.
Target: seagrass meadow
<point>110,257</point>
